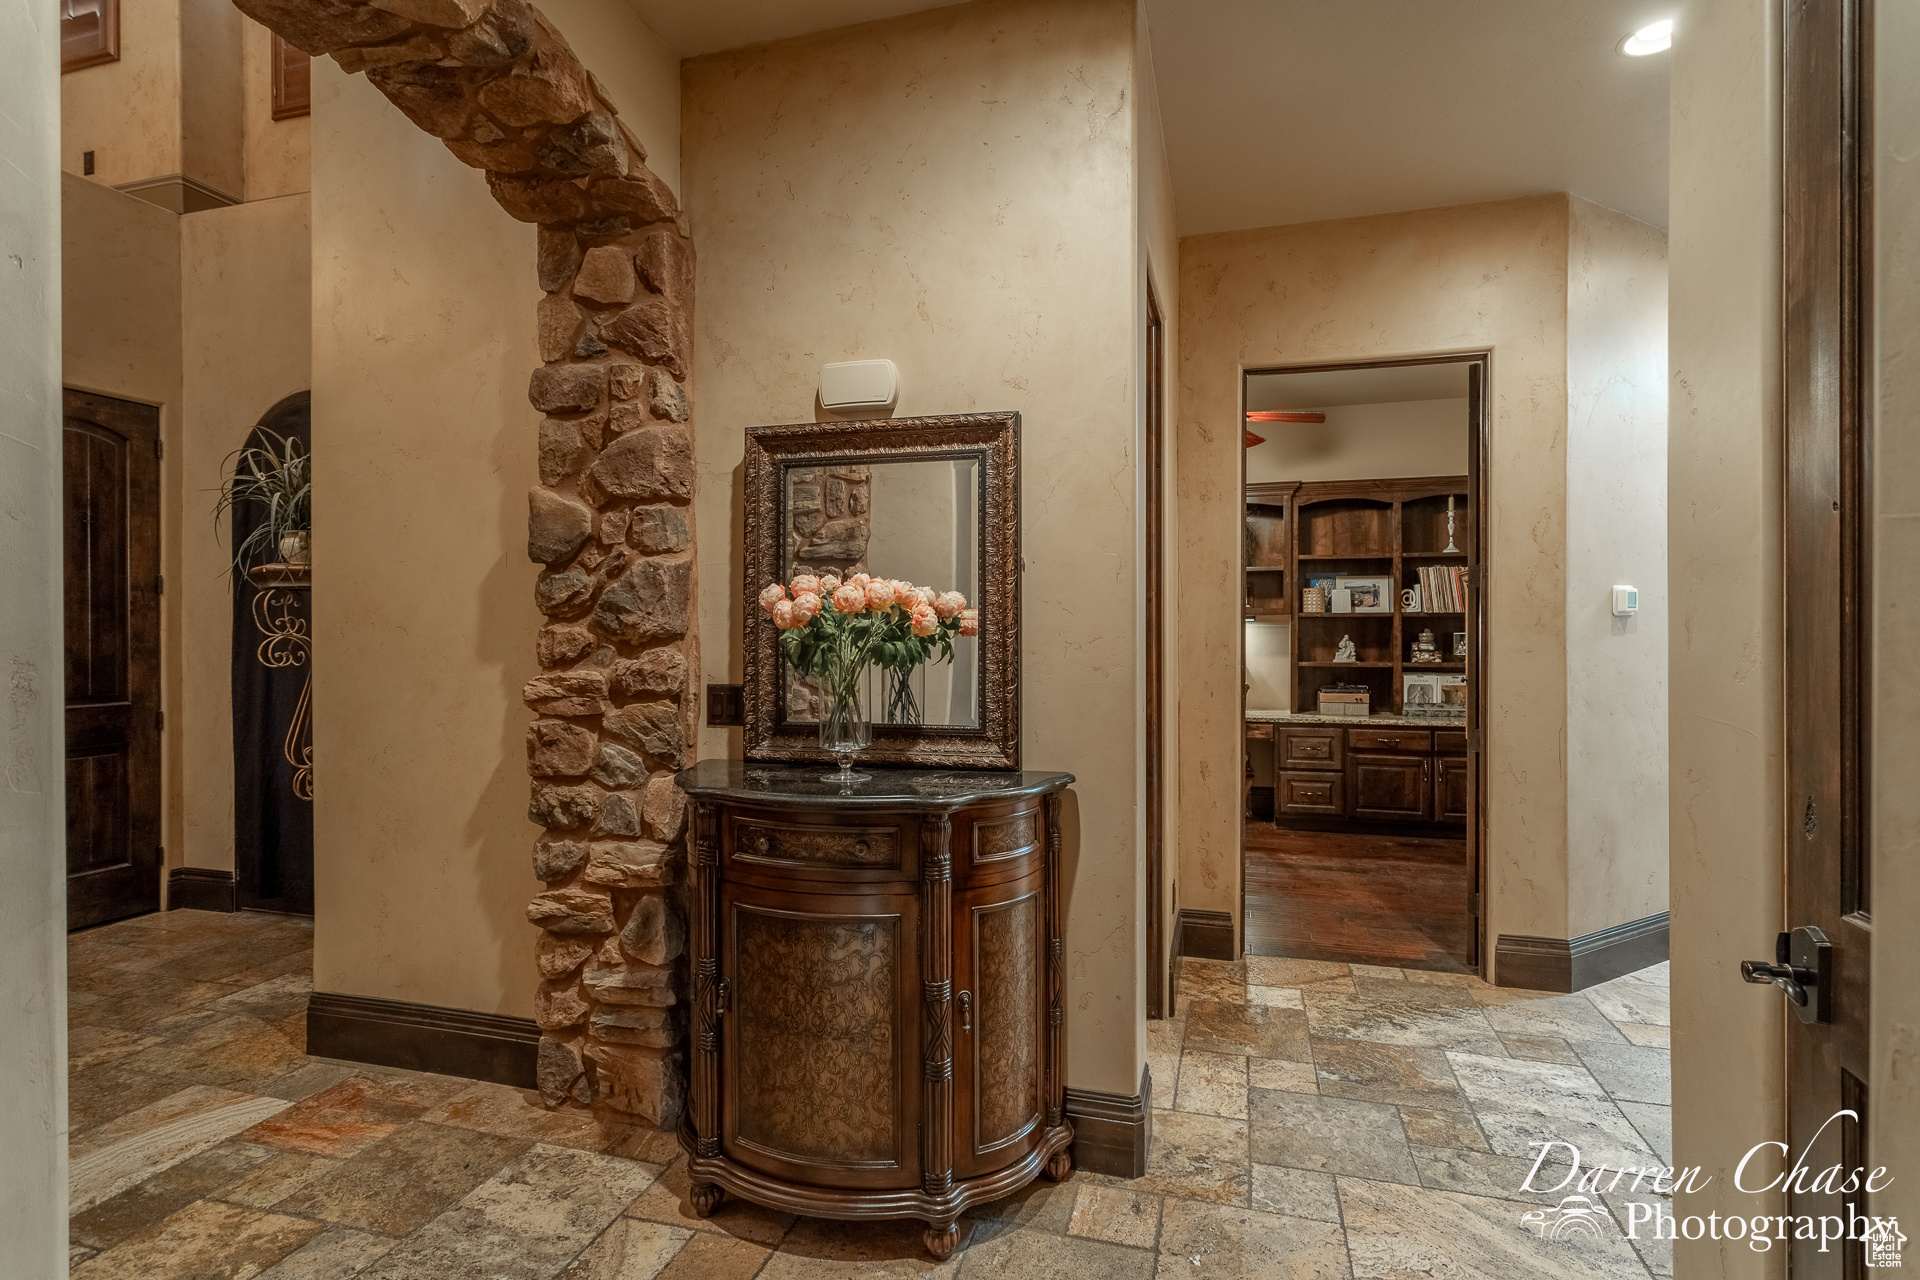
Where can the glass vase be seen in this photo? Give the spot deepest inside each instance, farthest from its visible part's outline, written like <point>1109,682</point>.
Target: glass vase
<point>903,705</point>
<point>844,729</point>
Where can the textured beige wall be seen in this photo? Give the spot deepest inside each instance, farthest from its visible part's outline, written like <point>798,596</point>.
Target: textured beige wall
<point>423,340</point>
<point>128,112</point>
<point>1473,277</point>
<point>212,130</point>
<point>423,294</point>
<point>1365,441</point>
<point>640,73</point>
<point>1616,533</point>
<point>1723,528</point>
<point>953,190</point>
<point>278,152</point>
<point>1895,1137</point>
<point>245,337</point>
<point>120,332</point>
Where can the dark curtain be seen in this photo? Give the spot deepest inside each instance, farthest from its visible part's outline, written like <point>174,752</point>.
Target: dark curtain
<point>272,822</point>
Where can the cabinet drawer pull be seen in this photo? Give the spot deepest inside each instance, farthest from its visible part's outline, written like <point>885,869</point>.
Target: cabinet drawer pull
<point>721,992</point>
<point>966,1011</point>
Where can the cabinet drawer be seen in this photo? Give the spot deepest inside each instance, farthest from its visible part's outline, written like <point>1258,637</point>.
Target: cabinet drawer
<point>1310,749</point>
<point>1450,740</point>
<point>775,849</point>
<point>1390,739</point>
<point>1259,729</point>
<point>1309,794</point>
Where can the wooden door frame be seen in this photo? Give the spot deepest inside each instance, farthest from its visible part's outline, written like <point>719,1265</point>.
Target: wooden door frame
<point>1477,443</point>
<point>1826,60</point>
<point>1160,995</point>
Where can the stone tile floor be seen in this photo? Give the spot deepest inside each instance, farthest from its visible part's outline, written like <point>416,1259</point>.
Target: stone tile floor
<point>1315,1121</point>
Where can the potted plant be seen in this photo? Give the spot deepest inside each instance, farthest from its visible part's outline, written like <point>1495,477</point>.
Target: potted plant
<point>276,475</point>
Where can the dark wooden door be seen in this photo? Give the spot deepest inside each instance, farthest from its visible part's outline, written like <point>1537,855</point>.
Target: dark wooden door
<point>1159,970</point>
<point>111,475</point>
<point>1391,788</point>
<point>1450,780</point>
<point>1000,976</point>
<point>1825,126</point>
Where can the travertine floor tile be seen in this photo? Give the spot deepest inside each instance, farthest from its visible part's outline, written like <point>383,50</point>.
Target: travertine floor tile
<point>166,1192</point>
<point>1631,1072</point>
<point>628,1250</point>
<point>1213,1084</point>
<point>1404,1013</point>
<point>1297,1193</point>
<point>1400,1233</point>
<point>348,1117</point>
<point>1641,1033</point>
<point>1443,1128</point>
<point>1519,1104</point>
<point>1540,1048</point>
<point>1234,1243</point>
<point>206,1240</point>
<point>1215,1026</point>
<point>1401,1074</point>
<point>1271,971</point>
<point>1277,1073</point>
<point>818,1249</point>
<point>1276,997</point>
<point>1329,1135</point>
<point>334,1254</point>
<point>518,1113</point>
<point>136,1146</point>
<point>1116,1215</point>
<point>712,1257</point>
<point>1040,1256</point>
<point>1654,1123</point>
<point>404,1180</point>
<point>1570,1018</point>
<point>666,1201</point>
<point>1200,1157</point>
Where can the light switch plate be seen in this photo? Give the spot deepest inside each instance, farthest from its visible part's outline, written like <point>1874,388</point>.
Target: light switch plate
<point>1626,601</point>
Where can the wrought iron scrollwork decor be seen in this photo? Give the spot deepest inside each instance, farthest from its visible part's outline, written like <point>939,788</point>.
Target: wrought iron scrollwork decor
<point>288,643</point>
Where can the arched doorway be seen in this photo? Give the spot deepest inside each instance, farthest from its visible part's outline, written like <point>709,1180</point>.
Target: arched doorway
<point>272,698</point>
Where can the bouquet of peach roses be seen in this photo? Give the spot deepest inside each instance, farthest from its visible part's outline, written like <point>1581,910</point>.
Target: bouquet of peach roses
<point>833,630</point>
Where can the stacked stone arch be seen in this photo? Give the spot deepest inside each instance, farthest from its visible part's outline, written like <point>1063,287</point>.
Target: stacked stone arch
<point>610,520</point>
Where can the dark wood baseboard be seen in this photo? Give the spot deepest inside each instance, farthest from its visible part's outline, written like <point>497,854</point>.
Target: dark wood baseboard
<point>1111,1131</point>
<point>423,1037</point>
<point>202,889</point>
<point>1574,964</point>
<point>1206,935</point>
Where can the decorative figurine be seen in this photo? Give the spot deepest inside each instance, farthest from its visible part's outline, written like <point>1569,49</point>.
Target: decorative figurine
<point>1346,652</point>
<point>1425,650</point>
<point>1450,549</point>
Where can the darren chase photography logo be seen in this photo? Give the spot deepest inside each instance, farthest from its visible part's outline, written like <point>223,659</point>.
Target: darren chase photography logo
<point>1582,1213</point>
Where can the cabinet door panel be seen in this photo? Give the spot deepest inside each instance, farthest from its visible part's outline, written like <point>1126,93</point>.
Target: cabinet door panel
<point>817,1062</point>
<point>1394,788</point>
<point>1450,789</point>
<point>1000,953</point>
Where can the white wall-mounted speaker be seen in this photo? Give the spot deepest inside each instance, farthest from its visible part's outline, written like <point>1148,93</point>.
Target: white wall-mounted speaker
<point>858,384</point>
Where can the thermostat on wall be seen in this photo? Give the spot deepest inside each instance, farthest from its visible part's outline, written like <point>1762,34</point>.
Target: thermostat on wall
<point>1626,601</point>
<point>859,384</point>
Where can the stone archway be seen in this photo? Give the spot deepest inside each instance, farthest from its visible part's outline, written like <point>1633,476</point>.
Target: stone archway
<point>610,519</point>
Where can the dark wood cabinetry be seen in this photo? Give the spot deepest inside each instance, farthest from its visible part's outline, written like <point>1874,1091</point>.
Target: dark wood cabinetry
<point>878,1007</point>
<point>1376,774</point>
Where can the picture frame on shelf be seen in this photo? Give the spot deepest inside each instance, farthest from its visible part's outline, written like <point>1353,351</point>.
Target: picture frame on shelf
<point>1459,644</point>
<point>1419,690</point>
<point>1370,595</point>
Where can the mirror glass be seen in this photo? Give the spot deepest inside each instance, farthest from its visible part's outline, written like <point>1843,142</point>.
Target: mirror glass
<point>918,521</point>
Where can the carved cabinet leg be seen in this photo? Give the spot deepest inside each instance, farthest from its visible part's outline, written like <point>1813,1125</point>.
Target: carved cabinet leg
<point>941,1241</point>
<point>1059,1165</point>
<point>706,1198</point>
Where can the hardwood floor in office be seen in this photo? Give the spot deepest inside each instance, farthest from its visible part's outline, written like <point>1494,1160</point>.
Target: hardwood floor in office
<point>1357,899</point>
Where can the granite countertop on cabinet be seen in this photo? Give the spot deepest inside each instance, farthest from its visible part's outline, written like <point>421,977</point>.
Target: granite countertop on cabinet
<point>1358,722</point>
<point>816,785</point>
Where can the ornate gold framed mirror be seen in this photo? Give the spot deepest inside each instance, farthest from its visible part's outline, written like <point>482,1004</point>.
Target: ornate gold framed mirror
<point>932,501</point>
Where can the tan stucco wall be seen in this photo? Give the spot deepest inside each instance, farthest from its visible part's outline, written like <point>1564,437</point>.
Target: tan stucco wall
<point>278,152</point>
<point>1723,529</point>
<point>1473,277</point>
<point>245,333</point>
<point>120,333</point>
<point>212,128</point>
<point>1894,1139</point>
<point>1365,441</point>
<point>963,204</point>
<point>128,112</point>
<point>640,73</point>
<point>423,341</point>
<point>1616,534</point>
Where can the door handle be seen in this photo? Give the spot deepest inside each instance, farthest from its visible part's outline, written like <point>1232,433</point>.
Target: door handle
<point>1802,968</point>
<point>966,1011</point>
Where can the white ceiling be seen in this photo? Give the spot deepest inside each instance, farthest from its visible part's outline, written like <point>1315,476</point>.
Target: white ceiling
<point>694,27</point>
<point>1280,111</point>
<point>1334,387</point>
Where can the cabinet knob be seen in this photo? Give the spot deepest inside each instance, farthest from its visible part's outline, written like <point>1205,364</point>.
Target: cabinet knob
<point>761,845</point>
<point>966,1010</point>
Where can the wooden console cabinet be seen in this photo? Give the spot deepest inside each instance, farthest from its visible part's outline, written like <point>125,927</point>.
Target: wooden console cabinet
<point>1384,773</point>
<point>878,1005</point>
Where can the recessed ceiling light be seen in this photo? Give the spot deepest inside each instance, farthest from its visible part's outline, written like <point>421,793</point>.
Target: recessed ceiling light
<point>1655,37</point>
